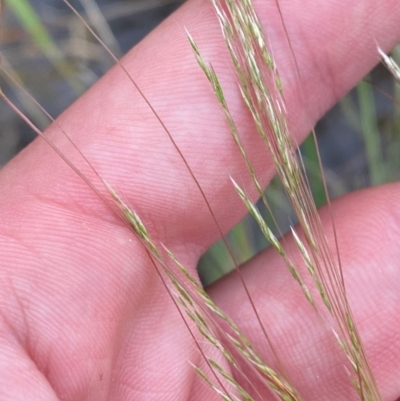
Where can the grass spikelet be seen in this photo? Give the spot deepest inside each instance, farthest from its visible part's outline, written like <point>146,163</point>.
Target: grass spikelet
<point>213,78</point>
<point>269,235</point>
<point>133,219</point>
<point>194,308</point>
<point>213,386</point>
<point>183,297</point>
<point>262,93</point>
<point>311,268</point>
<point>273,379</point>
<point>261,90</point>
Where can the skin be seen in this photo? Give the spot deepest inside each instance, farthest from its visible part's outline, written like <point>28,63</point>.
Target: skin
<point>84,316</point>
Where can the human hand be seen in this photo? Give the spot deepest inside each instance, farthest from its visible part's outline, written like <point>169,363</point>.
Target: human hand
<point>84,315</point>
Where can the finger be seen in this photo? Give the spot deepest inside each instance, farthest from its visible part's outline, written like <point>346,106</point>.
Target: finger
<point>334,45</point>
<point>368,228</point>
<point>20,377</point>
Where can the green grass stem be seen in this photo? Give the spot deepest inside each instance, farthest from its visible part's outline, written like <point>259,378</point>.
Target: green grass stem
<point>371,134</point>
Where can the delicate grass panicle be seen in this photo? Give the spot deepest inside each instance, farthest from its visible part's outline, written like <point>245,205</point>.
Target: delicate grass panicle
<point>262,93</point>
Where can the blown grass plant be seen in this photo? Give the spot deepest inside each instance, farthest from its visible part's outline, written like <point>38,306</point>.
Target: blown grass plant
<point>319,274</point>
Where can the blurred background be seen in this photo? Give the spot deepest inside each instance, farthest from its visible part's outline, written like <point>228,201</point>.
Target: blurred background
<point>48,50</point>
